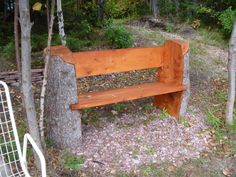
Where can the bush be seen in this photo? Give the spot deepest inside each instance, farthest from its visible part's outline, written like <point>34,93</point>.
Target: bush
<point>125,8</point>
<point>75,44</point>
<point>39,42</point>
<point>226,20</point>
<point>118,36</point>
<point>8,50</point>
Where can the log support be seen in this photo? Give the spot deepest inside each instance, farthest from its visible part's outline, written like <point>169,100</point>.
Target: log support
<point>63,125</point>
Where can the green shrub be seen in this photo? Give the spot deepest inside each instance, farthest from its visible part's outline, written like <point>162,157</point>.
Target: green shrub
<point>8,50</point>
<point>125,8</point>
<point>226,20</point>
<point>118,36</point>
<point>75,44</point>
<point>39,42</point>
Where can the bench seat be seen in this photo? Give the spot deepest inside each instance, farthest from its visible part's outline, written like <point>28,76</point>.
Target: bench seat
<point>93,99</point>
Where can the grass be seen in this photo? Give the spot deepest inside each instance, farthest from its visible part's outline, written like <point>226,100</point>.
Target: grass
<point>212,37</point>
<point>213,120</point>
<point>150,151</point>
<point>196,48</point>
<point>179,172</point>
<point>164,114</point>
<point>152,170</point>
<point>72,161</point>
<point>184,122</point>
<point>155,36</point>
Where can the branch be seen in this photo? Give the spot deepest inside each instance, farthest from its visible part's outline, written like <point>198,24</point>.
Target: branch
<point>48,52</point>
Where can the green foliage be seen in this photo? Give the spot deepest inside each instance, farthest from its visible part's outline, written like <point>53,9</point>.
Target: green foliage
<point>152,170</point>
<point>72,161</point>
<point>180,172</point>
<point>118,107</point>
<point>118,36</point>
<point>150,151</point>
<point>213,120</point>
<point>184,122</point>
<point>125,8</point>
<point>10,149</point>
<point>39,42</point>
<point>75,44</point>
<point>8,50</point>
<point>164,114</point>
<point>226,20</point>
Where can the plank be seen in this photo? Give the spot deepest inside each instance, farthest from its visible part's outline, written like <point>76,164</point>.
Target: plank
<point>109,96</point>
<point>93,63</point>
<point>172,71</point>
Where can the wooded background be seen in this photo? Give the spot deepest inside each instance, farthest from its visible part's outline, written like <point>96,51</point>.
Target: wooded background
<point>84,19</point>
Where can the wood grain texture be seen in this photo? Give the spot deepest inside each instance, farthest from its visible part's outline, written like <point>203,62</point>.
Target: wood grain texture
<point>169,57</point>
<point>172,72</point>
<point>109,96</point>
<point>111,61</point>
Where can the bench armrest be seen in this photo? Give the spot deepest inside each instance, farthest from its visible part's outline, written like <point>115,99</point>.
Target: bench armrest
<point>27,138</point>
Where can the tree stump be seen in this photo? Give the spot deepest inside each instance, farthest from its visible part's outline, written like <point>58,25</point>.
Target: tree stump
<point>186,81</point>
<point>63,125</point>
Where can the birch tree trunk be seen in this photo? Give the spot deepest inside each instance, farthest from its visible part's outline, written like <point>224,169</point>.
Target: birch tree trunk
<point>47,57</point>
<point>231,77</point>
<point>27,98</point>
<point>61,23</point>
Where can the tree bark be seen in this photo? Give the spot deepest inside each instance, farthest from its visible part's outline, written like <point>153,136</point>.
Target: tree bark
<point>48,15</point>
<point>63,125</point>
<point>231,77</point>
<point>47,57</point>
<point>16,35</point>
<point>154,8</point>
<point>101,4</point>
<point>28,99</point>
<point>61,23</point>
<point>186,81</point>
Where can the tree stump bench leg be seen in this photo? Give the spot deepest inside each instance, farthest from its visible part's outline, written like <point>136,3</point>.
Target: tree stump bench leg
<point>63,125</point>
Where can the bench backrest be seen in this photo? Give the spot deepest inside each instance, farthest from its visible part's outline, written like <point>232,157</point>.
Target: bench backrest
<point>169,57</point>
<point>120,60</point>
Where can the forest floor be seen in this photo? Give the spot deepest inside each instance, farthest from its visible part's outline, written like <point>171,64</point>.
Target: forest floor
<point>135,139</point>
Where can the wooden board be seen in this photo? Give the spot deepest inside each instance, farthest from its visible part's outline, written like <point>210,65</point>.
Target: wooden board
<point>111,61</point>
<point>93,99</point>
<point>172,72</point>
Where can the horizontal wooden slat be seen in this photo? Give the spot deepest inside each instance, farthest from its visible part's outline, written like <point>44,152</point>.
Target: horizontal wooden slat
<point>124,94</point>
<point>112,61</point>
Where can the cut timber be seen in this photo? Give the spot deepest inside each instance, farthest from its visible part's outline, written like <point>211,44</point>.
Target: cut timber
<point>111,61</point>
<point>99,98</point>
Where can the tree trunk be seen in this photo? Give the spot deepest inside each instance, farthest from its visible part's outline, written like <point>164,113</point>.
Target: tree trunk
<point>48,15</point>
<point>16,34</point>
<point>47,57</point>
<point>63,125</point>
<point>231,77</point>
<point>186,81</point>
<point>100,15</point>
<point>28,98</point>
<point>61,23</point>
<point>154,8</point>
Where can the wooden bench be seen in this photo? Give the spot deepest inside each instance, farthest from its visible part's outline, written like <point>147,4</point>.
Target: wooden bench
<point>62,97</point>
<point>167,89</point>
